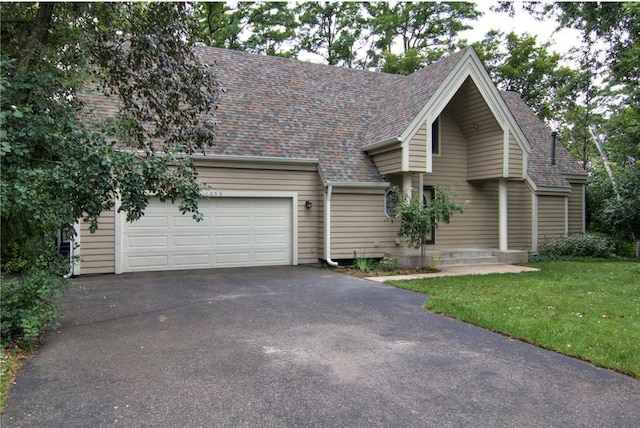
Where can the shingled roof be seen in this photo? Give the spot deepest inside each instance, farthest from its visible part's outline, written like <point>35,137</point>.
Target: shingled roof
<point>539,168</point>
<point>285,108</point>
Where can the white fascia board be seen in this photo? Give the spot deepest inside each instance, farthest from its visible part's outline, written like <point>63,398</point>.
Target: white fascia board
<point>258,159</point>
<point>362,184</point>
<point>553,191</point>
<point>468,66</point>
<point>382,144</point>
<point>575,178</point>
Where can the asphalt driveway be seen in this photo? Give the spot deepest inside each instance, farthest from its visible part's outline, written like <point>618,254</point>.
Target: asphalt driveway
<point>294,346</point>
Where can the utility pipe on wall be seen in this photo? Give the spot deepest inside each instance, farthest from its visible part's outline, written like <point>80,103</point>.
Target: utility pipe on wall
<point>327,227</point>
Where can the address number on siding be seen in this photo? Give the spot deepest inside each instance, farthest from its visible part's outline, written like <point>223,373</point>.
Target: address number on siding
<point>210,193</point>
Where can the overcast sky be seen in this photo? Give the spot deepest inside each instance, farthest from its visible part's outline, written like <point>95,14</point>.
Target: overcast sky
<point>522,22</point>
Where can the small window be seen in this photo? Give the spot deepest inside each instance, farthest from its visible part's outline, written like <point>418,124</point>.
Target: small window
<point>390,202</point>
<point>435,137</point>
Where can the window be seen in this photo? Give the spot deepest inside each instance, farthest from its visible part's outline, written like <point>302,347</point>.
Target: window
<point>390,202</point>
<point>435,137</point>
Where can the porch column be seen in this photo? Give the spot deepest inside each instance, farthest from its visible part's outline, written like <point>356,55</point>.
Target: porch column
<point>406,183</point>
<point>502,215</point>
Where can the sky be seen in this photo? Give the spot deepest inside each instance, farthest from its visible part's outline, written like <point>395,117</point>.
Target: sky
<point>522,22</point>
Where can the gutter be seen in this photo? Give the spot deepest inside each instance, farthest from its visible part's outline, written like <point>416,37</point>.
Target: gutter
<point>327,226</point>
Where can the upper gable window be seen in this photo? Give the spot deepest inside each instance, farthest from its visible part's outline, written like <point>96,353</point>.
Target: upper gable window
<point>435,137</point>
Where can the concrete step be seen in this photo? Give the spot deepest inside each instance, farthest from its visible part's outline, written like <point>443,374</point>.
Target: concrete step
<point>449,258</point>
<point>468,261</point>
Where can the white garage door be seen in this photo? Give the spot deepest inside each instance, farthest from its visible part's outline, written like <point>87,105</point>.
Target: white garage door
<point>235,232</point>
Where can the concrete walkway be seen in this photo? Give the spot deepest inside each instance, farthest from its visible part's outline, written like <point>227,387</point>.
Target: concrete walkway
<point>459,270</point>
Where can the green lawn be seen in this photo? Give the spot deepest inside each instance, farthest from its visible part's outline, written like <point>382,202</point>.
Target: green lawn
<point>585,309</point>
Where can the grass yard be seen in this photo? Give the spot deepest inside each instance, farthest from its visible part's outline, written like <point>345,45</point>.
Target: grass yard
<point>586,309</point>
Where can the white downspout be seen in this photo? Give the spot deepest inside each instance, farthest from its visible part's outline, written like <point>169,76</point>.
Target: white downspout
<point>327,227</point>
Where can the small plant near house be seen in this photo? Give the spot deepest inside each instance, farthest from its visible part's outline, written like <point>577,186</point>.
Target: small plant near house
<point>364,264</point>
<point>388,263</point>
<point>417,219</point>
<point>435,262</point>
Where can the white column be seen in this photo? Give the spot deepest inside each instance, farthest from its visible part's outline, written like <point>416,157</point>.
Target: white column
<point>502,215</point>
<point>406,184</point>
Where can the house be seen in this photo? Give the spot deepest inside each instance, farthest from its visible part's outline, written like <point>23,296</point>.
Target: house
<point>306,154</point>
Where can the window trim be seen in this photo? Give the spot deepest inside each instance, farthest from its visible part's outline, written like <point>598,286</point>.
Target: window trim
<point>436,142</point>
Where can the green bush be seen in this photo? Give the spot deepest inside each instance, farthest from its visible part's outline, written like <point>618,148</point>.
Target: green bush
<point>30,304</point>
<point>579,245</point>
<point>388,263</point>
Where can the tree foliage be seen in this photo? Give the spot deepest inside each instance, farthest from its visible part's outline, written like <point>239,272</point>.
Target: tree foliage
<point>518,63</point>
<point>57,166</point>
<point>419,218</point>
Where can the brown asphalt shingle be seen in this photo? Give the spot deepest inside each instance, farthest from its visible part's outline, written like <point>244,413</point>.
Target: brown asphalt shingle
<point>285,108</point>
<point>539,169</point>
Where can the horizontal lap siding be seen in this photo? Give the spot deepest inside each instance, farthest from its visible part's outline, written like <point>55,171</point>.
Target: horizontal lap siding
<point>576,208</point>
<point>485,155</point>
<point>478,225</point>
<point>483,133</point>
<point>519,214</point>
<point>551,217</point>
<point>418,150</point>
<point>97,250</point>
<point>304,182</point>
<point>516,159</point>
<point>358,224</point>
<point>388,160</point>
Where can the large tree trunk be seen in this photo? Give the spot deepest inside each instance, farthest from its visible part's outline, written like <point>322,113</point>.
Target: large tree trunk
<point>39,32</point>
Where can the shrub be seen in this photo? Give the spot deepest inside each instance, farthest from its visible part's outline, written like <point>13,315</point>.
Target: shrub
<point>579,245</point>
<point>30,304</point>
<point>388,263</point>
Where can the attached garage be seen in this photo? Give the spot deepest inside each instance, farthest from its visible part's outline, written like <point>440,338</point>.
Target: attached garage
<point>235,232</point>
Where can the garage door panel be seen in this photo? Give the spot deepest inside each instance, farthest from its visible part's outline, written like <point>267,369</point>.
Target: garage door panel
<point>148,241</point>
<point>187,261</point>
<point>148,261</point>
<point>232,240</point>
<point>188,222</point>
<point>235,232</point>
<point>192,241</point>
<point>150,221</point>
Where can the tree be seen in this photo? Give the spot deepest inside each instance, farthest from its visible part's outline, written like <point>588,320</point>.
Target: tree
<point>429,28</point>
<point>606,106</point>
<point>520,64</point>
<point>272,25</point>
<point>330,30</point>
<point>57,166</point>
<point>418,218</point>
<point>222,25</point>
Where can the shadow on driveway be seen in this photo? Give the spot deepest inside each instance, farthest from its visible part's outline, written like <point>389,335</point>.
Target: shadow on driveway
<point>294,346</point>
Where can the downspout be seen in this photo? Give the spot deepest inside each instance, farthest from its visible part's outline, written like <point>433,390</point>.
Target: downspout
<point>327,227</point>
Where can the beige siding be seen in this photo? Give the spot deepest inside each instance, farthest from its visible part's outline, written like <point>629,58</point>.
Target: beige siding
<point>519,214</point>
<point>388,162</point>
<point>551,217</point>
<point>97,250</point>
<point>516,158</point>
<point>576,209</point>
<point>481,130</point>
<point>358,224</point>
<point>418,151</point>
<point>478,225</point>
